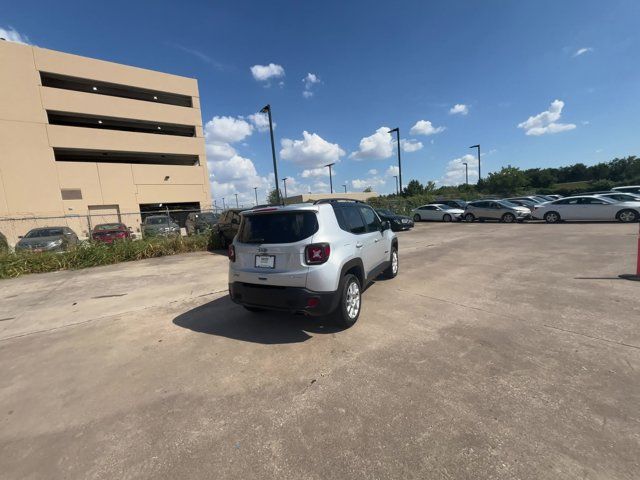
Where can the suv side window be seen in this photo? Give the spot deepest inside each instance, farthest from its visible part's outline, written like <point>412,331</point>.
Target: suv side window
<point>349,219</point>
<point>370,219</point>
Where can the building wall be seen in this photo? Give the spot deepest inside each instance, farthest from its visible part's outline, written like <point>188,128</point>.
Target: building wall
<point>31,179</point>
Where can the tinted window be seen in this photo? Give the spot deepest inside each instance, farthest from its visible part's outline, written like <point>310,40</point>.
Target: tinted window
<point>370,219</point>
<point>110,226</point>
<point>44,232</point>
<point>282,227</point>
<point>428,207</point>
<point>350,220</point>
<point>567,201</point>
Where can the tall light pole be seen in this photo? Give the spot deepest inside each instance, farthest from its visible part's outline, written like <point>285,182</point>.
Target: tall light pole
<point>237,206</point>
<point>284,180</point>
<point>345,188</point>
<point>224,207</point>
<point>466,172</point>
<point>255,189</point>
<point>330,177</point>
<point>267,109</point>
<point>396,177</point>
<point>397,130</point>
<point>479,170</point>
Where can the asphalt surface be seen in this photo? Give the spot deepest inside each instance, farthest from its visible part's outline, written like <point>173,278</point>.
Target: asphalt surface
<point>500,351</point>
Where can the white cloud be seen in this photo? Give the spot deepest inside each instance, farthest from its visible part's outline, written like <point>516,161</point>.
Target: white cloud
<point>582,51</point>
<point>316,172</point>
<point>546,122</point>
<point>311,151</point>
<point>264,73</point>
<point>392,170</point>
<point>455,171</point>
<point>411,145</point>
<point>373,171</point>
<point>459,109</point>
<point>227,129</point>
<point>360,184</point>
<point>425,127</point>
<point>309,81</point>
<point>378,145</point>
<point>12,35</point>
<point>219,151</point>
<point>237,175</point>
<point>260,121</point>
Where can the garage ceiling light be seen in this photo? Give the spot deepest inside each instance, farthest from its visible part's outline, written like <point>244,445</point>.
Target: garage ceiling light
<point>95,89</point>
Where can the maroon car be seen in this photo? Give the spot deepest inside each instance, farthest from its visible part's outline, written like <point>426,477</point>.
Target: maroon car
<point>109,232</point>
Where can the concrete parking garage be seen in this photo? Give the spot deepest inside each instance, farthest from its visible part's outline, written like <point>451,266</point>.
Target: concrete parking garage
<point>500,351</point>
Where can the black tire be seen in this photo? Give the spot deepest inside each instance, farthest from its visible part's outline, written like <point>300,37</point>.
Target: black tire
<point>416,218</point>
<point>552,217</point>
<point>344,314</point>
<point>446,217</point>
<point>508,218</point>
<point>253,309</point>
<point>469,217</point>
<point>392,271</point>
<point>627,216</point>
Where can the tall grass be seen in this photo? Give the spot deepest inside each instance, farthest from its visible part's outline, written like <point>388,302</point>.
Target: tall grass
<point>92,254</point>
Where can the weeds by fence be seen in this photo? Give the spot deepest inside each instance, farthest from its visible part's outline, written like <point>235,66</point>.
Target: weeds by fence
<point>92,254</point>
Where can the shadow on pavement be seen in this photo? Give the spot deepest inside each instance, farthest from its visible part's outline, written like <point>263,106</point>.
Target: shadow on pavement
<point>224,318</point>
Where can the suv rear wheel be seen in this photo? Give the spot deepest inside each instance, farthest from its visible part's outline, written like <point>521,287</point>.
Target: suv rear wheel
<point>416,218</point>
<point>469,217</point>
<point>350,301</point>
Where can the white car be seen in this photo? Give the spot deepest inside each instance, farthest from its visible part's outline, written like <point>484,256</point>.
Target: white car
<point>587,207</point>
<point>635,189</point>
<point>619,196</point>
<point>437,212</point>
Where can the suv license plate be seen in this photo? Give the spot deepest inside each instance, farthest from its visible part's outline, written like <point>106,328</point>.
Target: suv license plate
<point>265,261</point>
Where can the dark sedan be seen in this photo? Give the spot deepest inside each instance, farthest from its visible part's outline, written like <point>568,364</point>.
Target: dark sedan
<point>48,239</point>
<point>398,222</point>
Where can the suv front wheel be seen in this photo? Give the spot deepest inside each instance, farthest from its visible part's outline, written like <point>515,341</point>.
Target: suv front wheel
<point>350,301</point>
<point>392,270</point>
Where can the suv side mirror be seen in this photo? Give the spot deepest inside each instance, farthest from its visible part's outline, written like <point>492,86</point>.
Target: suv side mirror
<point>386,225</point>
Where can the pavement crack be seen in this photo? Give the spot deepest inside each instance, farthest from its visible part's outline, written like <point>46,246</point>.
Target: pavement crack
<point>592,336</point>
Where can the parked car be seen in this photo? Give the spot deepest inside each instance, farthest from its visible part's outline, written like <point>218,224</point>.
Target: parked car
<point>619,196</point>
<point>453,203</point>
<point>314,259</point>
<point>588,208</point>
<point>555,197</point>
<point>628,189</point>
<point>227,226</point>
<point>47,239</point>
<point>397,222</point>
<point>523,203</point>
<point>500,210</point>
<point>4,245</point>
<point>200,222</point>
<point>110,232</point>
<point>437,212</point>
<point>160,226</point>
<point>531,198</point>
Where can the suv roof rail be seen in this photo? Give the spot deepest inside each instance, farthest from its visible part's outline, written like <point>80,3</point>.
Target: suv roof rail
<point>331,200</point>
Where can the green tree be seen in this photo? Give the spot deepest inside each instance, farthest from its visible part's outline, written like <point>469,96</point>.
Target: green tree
<point>368,190</point>
<point>414,188</point>
<point>507,181</point>
<point>273,197</point>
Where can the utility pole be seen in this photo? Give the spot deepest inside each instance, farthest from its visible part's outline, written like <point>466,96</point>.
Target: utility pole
<point>397,130</point>
<point>466,172</point>
<point>330,177</point>
<point>479,169</point>
<point>237,206</point>
<point>397,191</point>
<point>255,189</point>
<point>267,109</point>
<point>284,180</point>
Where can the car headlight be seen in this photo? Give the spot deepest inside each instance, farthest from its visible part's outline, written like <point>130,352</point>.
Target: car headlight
<point>55,243</point>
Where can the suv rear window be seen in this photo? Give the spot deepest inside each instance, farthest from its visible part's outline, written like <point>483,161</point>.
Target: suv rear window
<point>284,227</point>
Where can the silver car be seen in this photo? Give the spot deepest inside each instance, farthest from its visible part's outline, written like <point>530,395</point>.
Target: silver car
<point>310,259</point>
<point>500,210</point>
<point>47,239</point>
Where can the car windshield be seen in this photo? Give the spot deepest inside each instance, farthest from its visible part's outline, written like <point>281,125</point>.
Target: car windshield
<point>281,227</point>
<point>110,226</point>
<point>448,207</point>
<point>44,232</point>
<point>156,220</point>
<point>207,217</point>
<point>385,212</point>
<point>507,203</point>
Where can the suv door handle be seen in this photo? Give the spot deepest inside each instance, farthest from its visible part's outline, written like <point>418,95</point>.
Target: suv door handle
<point>358,245</point>
<point>376,240</point>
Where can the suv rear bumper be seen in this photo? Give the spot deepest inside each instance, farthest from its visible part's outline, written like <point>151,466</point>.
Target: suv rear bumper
<point>289,299</point>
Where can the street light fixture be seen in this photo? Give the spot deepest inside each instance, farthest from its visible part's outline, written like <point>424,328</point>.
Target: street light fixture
<point>237,206</point>
<point>397,130</point>
<point>224,207</point>
<point>255,189</point>
<point>466,172</point>
<point>479,170</point>
<point>284,180</point>
<point>396,177</point>
<point>345,188</point>
<point>267,109</point>
<point>330,177</point>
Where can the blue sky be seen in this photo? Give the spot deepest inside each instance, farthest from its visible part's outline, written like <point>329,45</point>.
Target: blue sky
<point>537,84</point>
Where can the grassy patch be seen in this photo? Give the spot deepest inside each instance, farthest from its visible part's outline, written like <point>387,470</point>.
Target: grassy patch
<point>91,254</point>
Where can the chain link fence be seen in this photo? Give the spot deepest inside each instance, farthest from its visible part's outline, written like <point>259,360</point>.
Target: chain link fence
<point>83,224</point>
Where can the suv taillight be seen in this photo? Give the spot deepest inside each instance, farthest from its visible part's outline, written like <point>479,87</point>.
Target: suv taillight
<point>317,253</point>
<point>232,253</point>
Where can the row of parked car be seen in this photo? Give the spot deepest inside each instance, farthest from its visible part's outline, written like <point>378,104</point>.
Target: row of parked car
<point>620,203</point>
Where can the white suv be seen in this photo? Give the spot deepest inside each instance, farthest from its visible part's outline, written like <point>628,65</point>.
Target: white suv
<point>310,258</point>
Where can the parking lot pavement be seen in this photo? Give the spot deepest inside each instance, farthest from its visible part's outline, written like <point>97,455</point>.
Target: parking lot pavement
<point>500,351</point>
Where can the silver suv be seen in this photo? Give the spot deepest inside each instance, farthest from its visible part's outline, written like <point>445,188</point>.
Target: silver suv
<point>313,259</point>
<point>501,210</point>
